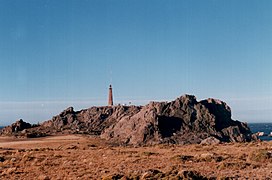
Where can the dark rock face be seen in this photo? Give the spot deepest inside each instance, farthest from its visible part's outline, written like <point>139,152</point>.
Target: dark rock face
<point>16,127</point>
<point>182,121</point>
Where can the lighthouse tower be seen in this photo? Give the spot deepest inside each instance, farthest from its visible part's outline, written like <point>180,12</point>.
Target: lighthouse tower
<point>110,102</point>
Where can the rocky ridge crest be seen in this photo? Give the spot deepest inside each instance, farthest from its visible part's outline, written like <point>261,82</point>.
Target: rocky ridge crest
<point>182,121</point>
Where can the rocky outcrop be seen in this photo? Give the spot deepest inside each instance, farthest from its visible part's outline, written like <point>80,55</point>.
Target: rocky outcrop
<point>182,121</point>
<point>89,121</point>
<point>16,127</point>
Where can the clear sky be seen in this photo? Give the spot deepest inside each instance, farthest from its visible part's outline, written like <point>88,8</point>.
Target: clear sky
<point>60,53</point>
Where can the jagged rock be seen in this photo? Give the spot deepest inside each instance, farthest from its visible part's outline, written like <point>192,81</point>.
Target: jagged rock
<point>65,118</point>
<point>210,141</point>
<point>91,121</point>
<point>16,127</point>
<point>182,121</point>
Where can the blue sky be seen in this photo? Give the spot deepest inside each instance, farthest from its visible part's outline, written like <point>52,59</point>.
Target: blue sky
<point>55,54</point>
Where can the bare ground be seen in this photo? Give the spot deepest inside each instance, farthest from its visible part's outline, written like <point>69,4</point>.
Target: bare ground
<point>85,157</point>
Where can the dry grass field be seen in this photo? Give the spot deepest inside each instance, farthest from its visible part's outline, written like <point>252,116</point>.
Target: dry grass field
<point>84,157</point>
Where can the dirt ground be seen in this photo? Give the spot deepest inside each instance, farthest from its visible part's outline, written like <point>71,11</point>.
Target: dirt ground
<point>85,157</point>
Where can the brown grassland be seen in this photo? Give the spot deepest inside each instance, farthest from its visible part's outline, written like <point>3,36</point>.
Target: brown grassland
<point>85,157</point>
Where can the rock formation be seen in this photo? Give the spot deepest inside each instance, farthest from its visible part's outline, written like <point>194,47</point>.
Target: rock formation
<point>16,127</point>
<point>89,121</point>
<point>182,121</point>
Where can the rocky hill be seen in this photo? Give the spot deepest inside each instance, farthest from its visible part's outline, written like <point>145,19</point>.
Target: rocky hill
<point>182,121</point>
<point>18,126</point>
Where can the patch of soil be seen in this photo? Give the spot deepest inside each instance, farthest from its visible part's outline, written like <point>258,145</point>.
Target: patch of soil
<point>88,157</point>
